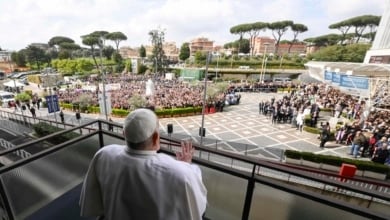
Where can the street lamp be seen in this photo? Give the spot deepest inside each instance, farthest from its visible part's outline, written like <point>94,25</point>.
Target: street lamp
<point>156,65</point>
<point>103,78</point>
<point>202,129</point>
<point>216,70</point>
<point>262,71</point>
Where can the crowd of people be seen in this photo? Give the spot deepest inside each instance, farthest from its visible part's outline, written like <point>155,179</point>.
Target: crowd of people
<point>366,130</point>
<point>166,94</point>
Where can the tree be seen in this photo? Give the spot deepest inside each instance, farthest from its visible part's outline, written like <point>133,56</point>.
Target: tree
<point>240,29</point>
<point>297,29</point>
<point>360,23</point>
<point>108,52</point>
<point>57,40</point>
<point>137,101</point>
<point>157,37</point>
<point>278,29</point>
<point>242,46</point>
<point>62,47</point>
<point>184,51</point>
<point>324,40</point>
<point>343,27</point>
<point>92,42</point>
<point>95,40</point>
<point>254,30</point>
<point>19,58</point>
<point>339,53</point>
<point>142,52</point>
<point>117,37</point>
<point>36,55</point>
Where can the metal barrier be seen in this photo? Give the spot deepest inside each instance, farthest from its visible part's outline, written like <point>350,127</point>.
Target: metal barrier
<point>251,171</point>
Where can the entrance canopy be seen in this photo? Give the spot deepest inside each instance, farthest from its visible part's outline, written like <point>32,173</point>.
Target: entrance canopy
<point>13,84</point>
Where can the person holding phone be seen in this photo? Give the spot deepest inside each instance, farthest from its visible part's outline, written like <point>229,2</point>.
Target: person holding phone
<point>134,181</point>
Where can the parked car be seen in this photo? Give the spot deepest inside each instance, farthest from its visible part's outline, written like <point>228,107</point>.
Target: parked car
<point>24,80</point>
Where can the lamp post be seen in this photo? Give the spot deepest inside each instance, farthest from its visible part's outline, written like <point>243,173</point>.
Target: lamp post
<point>103,78</point>
<point>262,71</point>
<point>265,67</point>
<point>156,65</point>
<point>201,132</point>
<point>216,70</point>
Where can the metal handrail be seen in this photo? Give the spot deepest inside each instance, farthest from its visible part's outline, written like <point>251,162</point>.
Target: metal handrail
<point>252,177</point>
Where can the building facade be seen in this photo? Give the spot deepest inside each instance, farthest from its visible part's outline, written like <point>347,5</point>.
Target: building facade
<point>380,50</point>
<point>201,44</point>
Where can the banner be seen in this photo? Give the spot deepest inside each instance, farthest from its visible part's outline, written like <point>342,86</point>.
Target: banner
<point>335,78</point>
<point>52,103</point>
<point>354,82</point>
<point>328,76</point>
<point>354,85</point>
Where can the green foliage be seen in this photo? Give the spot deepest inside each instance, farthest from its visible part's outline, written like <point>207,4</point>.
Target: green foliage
<point>142,68</point>
<point>309,156</point>
<point>200,57</point>
<point>68,66</point>
<point>337,161</point>
<point>157,38</point>
<point>23,97</point>
<point>93,109</point>
<point>137,101</point>
<point>292,154</point>
<point>338,53</point>
<point>142,51</point>
<point>120,112</point>
<point>83,101</point>
<point>19,58</point>
<point>184,51</point>
<point>330,160</point>
<point>43,129</point>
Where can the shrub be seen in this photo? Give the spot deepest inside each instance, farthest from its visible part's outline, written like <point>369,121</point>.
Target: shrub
<point>43,129</point>
<point>338,161</point>
<point>292,154</point>
<point>120,112</point>
<point>330,160</point>
<point>310,157</point>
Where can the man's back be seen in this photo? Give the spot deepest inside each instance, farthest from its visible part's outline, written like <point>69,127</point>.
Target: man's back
<point>142,185</point>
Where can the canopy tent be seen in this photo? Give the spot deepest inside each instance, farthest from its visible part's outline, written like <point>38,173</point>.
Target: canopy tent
<point>13,84</point>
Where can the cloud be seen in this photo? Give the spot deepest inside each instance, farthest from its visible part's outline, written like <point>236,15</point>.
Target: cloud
<point>29,21</point>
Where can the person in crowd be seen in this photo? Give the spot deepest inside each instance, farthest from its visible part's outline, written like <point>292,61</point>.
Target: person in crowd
<point>32,110</point>
<point>380,154</point>
<point>134,181</point>
<point>62,116</point>
<point>371,144</point>
<point>358,141</point>
<point>78,116</point>
<point>299,120</point>
<point>325,134</point>
<point>110,126</point>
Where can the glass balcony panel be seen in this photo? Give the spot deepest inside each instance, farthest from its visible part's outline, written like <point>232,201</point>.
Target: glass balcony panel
<point>271,203</point>
<point>35,184</point>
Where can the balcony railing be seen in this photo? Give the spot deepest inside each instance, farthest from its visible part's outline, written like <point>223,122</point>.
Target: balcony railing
<point>239,187</point>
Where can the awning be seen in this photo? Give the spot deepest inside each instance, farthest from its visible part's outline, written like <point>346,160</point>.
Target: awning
<point>13,84</point>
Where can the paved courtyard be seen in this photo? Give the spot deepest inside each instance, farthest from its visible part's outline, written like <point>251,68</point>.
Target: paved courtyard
<point>248,132</point>
<point>240,128</point>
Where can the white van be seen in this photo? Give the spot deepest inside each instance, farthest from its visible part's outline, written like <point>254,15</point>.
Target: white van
<point>5,97</point>
<point>282,80</point>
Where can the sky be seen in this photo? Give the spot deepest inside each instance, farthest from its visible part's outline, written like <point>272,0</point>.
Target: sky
<point>23,22</point>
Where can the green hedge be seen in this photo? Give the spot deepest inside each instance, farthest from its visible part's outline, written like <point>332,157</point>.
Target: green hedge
<point>43,129</point>
<point>337,161</point>
<point>123,113</point>
<point>120,112</point>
